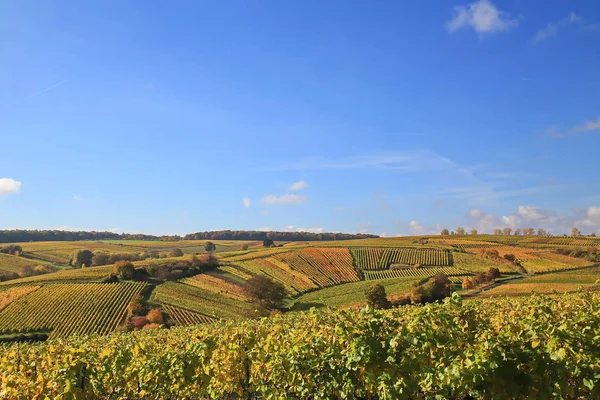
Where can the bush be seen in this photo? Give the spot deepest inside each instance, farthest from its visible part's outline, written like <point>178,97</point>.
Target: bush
<point>155,316</point>
<point>493,273</point>
<point>111,278</point>
<point>124,270</point>
<point>176,252</point>
<point>139,322</point>
<point>268,243</point>
<point>417,266</point>
<point>468,283</point>
<point>377,297</point>
<point>434,289</point>
<point>245,247</point>
<point>510,257</point>
<point>138,307</point>
<point>151,326</point>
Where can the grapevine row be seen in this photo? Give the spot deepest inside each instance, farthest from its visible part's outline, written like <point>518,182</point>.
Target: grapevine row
<point>410,272</point>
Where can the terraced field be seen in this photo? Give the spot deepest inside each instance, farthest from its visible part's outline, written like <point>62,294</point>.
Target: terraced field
<point>13,264</point>
<point>182,316</point>
<point>218,282</point>
<point>473,263</point>
<point>368,258</point>
<point>424,272</point>
<point>316,266</point>
<point>68,275</point>
<point>70,309</point>
<point>350,294</point>
<point>294,281</point>
<point>10,294</point>
<point>561,282</point>
<point>201,301</point>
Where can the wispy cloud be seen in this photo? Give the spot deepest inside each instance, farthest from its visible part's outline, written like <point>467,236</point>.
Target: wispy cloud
<point>285,199</point>
<point>414,161</point>
<point>587,126</point>
<point>482,16</point>
<point>49,88</point>
<point>246,202</point>
<point>9,186</point>
<point>552,28</point>
<point>77,198</point>
<point>298,186</point>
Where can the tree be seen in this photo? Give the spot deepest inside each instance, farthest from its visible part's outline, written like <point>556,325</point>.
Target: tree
<point>100,258</point>
<point>268,243</point>
<point>209,246</point>
<point>138,306</point>
<point>124,270</point>
<point>506,231</point>
<point>575,232</point>
<point>468,283</point>
<point>517,232</point>
<point>155,316</point>
<point>444,232</point>
<point>593,234</point>
<point>474,232</point>
<point>497,231</point>
<point>541,232</point>
<point>376,297</point>
<point>510,257</point>
<point>493,273</point>
<point>460,230</point>
<point>245,247</point>
<point>81,258</point>
<point>176,252</point>
<point>265,291</point>
<point>528,231</point>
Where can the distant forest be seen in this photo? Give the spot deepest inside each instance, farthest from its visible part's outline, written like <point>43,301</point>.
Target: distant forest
<point>13,236</point>
<point>285,236</point>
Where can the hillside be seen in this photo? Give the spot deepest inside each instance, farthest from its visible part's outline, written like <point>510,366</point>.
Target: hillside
<point>534,347</point>
<point>314,275</point>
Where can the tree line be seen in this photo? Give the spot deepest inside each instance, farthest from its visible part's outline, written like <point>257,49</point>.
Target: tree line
<point>279,236</point>
<point>18,235</point>
<point>509,231</point>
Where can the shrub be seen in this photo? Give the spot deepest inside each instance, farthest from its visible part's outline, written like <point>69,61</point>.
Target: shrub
<point>176,252</point>
<point>493,273</point>
<point>138,307</point>
<point>468,283</point>
<point>510,257</point>
<point>124,270</point>
<point>417,266</point>
<point>111,278</point>
<point>155,316</point>
<point>151,326</point>
<point>377,297</point>
<point>245,247</point>
<point>268,243</point>
<point>139,322</point>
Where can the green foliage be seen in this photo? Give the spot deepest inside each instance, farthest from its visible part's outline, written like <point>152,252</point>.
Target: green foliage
<point>268,243</point>
<point>210,246</point>
<point>81,258</point>
<point>536,347</point>
<point>265,291</point>
<point>376,297</point>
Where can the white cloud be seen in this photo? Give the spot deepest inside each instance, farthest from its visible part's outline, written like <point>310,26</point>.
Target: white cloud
<point>482,16</point>
<point>283,199</point>
<point>246,202</point>
<point>298,186</point>
<point>266,229</point>
<point>586,219</point>
<point>77,198</point>
<point>416,227</point>
<point>587,126</point>
<point>9,186</point>
<point>552,28</point>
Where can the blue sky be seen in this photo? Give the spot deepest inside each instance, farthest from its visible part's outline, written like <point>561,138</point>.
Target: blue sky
<point>382,117</point>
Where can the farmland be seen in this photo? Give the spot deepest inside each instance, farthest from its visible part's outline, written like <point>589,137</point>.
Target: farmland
<point>70,309</point>
<point>328,273</point>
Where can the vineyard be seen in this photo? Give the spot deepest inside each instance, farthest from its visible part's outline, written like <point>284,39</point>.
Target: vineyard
<point>318,267</point>
<point>560,282</point>
<point>202,301</point>
<point>218,282</point>
<point>70,309</point>
<point>67,275</point>
<point>367,258</point>
<point>13,264</point>
<point>424,272</point>
<point>9,295</point>
<point>183,317</point>
<point>534,347</point>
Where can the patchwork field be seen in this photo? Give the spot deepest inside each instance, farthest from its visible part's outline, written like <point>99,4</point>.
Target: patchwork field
<point>324,273</point>
<point>69,309</point>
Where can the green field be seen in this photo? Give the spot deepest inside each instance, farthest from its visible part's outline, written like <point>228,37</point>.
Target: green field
<point>324,273</point>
